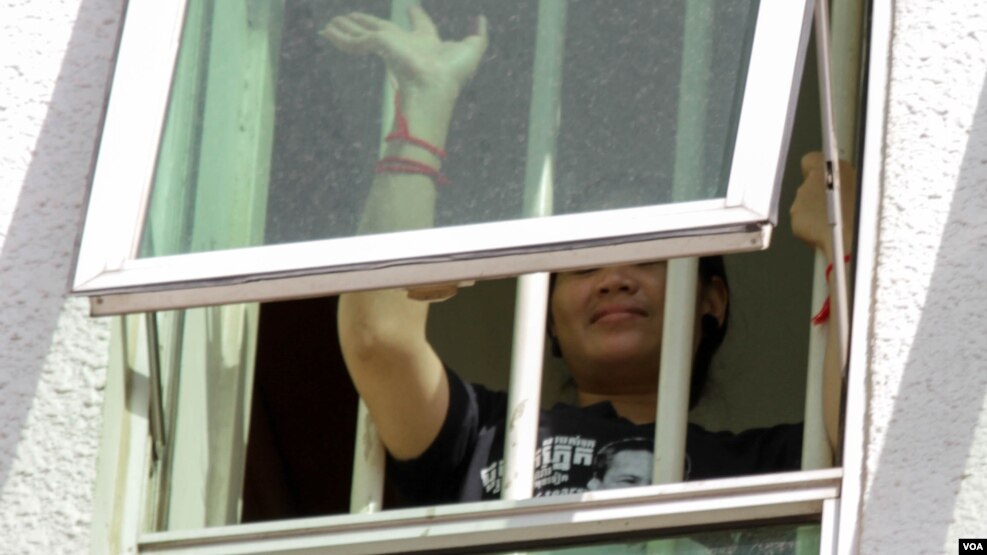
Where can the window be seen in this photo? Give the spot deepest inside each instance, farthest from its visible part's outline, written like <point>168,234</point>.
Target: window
<point>231,184</point>
<point>231,214</point>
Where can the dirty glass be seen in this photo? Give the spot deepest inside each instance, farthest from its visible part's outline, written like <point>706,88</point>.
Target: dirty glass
<point>273,133</point>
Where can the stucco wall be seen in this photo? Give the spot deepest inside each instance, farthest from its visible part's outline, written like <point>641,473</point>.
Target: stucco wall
<point>927,449</point>
<point>54,62</point>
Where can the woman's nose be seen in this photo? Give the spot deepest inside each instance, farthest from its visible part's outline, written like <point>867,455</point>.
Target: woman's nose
<point>616,279</point>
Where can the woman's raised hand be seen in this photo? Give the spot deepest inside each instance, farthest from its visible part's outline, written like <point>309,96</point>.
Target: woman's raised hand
<point>809,218</point>
<point>418,59</point>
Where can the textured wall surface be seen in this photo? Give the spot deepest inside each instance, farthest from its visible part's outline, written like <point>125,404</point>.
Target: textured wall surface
<point>54,63</point>
<point>927,452</point>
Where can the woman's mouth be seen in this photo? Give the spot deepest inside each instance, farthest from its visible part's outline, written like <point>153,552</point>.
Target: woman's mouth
<point>617,313</point>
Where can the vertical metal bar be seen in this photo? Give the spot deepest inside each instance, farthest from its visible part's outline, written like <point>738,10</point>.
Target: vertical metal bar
<point>838,293</point>
<point>815,449</point>
<point>680,289</point>
<point>845,59</point>
<point>816,452</point>
<point>174,343</point>
<point>524,393</point>
<point>156,411</point>
<point>532,294</point>
<point>367,486</point>
<point>545,111</point>
<point>690,123</point>
<point>676,367</point>
<point>157,515</point>
<point>846,34</point>
<point>136,494</point>
<point>829,527</point>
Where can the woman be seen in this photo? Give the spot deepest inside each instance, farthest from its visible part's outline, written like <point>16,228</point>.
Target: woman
<point>445,436</point>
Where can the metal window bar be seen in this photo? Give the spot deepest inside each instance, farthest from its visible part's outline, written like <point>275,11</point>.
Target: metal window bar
<point>841,317</point>
<point>531,306</point>
<point>137,438</point>
<point>676,351</point>
<point>674,378</point>
<point>842,64</point>
<point>160,450</point>
<point>367,486</point>
<point>816,451</point>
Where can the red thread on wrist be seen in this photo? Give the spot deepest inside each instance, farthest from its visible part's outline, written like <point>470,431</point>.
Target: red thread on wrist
<point>397,164</point>
<point>822,316</point>
<point>829,269</point>
<point>402,134</point>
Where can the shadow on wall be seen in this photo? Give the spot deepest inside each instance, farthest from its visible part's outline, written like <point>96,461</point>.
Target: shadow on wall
<point>930,437</point>
<point>36,260</point>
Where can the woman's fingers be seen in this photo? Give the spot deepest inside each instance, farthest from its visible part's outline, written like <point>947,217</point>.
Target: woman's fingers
<point>434,293</point>
<point>344,34</point>
<point>811,161</point>
<point>369,22</point>
<point>810,221</point>
<point>480,38</point>
<point>356,33</point>
<point>419,56</point>
<point>347,27</point>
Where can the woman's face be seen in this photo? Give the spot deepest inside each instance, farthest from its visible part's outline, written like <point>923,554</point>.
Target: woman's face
<point>610,317</point>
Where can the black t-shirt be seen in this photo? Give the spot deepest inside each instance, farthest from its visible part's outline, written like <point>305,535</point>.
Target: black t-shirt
<point>579,449</point>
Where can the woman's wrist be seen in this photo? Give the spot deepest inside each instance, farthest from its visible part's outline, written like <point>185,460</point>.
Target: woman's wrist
<point>826,247</point>
<point>416,143</point>
<point>428,112</point>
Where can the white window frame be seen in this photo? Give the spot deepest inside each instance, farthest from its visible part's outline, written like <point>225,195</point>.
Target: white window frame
<point>878,37</point>
<point>502,524</point>
<point>109,270</point>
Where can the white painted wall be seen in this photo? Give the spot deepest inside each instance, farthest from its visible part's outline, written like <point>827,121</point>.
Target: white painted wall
<point>926,481</point>
<point>54,63</point>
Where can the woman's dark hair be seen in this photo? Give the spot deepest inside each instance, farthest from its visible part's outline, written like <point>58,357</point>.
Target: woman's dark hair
<point>710,267</point>
<point>712,334</point>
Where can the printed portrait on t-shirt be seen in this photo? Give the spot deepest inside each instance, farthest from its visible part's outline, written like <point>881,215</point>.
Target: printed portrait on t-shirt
<point>573,464</point>
<point>623,463</point>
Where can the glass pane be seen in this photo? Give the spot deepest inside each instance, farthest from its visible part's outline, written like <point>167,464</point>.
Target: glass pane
<point>761,540</point>
<point>273,133</point>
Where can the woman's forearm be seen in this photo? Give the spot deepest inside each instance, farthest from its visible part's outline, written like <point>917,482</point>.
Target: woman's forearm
<point>402,201</point>
<point>382,333</point>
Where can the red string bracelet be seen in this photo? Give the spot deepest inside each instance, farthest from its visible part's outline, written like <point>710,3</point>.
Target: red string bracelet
<point>397,164</point>
<point>402,134</point>
<point>822,316</point>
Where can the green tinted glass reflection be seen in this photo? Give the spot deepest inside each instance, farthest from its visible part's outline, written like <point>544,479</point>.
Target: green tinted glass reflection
<point>272,134</point>
<point>761,540</point>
